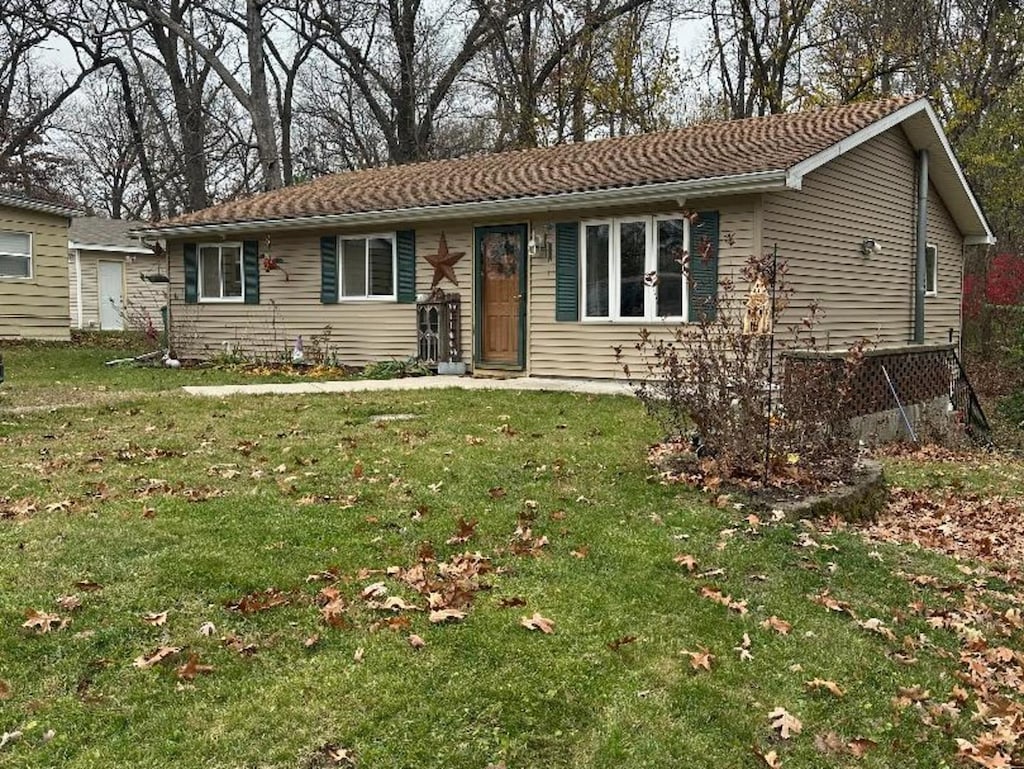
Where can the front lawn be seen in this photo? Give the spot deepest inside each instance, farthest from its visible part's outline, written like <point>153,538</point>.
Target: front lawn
<point>264,536</point>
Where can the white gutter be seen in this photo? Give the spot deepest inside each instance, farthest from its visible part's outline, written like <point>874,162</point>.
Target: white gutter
<point>118,249</point>
<point>27,204</point>
<point>760,181</point>
<point>78,285</point>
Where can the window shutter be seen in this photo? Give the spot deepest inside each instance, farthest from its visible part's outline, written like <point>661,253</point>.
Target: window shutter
<point>328,269</point>
<point>405,244</point>
<point>251,270</point>
<point>191,273</point>
<point>567,271</point>
<point>704,267</point>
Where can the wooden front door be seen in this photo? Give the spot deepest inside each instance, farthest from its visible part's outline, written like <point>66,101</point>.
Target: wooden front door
<point>500,264</point>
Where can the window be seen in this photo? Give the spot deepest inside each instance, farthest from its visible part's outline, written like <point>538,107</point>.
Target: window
<point>15,255</point>
<point>632,268</point>
<point>220,273</point>
<point>367,269</point>
<point>931,270</point>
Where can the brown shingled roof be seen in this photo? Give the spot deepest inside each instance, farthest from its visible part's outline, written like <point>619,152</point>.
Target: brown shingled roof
<point>704,151</point>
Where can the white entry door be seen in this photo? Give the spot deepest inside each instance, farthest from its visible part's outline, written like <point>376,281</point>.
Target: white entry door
<point>111,296</point>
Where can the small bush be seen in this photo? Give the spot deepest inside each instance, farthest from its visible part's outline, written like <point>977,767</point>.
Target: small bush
<point>740,409</point>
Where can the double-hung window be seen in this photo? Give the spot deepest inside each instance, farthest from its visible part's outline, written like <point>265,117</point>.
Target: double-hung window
<point>931,270</point>
<point>15,255</point>
<point>367,269</point>
<point>633,268</point>
<point>220,273</point>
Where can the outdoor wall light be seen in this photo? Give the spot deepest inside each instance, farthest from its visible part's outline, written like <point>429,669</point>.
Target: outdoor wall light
<point>540,242</point>
<point>871,247</point>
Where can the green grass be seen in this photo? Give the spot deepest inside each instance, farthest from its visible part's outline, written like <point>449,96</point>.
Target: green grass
<point>49,375</point>
<point>482,691</point>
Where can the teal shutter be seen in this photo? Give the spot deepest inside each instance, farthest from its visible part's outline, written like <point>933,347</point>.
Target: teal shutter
<point>567,271</point>
<point>191,273</point>
<point>405,244</point>
<point>251,270</point>
<point>704,267</point>
<point>328,269</point>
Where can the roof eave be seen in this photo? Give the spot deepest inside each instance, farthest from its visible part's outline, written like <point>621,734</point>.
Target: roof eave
<point>76,245</point>
<point>38,206</point>
<point>738,184</point>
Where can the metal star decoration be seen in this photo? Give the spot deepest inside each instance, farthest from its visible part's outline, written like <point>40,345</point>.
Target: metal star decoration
<point>443,263</point>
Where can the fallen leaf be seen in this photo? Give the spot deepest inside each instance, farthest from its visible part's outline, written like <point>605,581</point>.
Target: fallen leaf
<point>5,690</point>
<point>618,643</point>
<point>88,585</point>
<point>463,532</point>
<point>538,622</point>
<point>359,654</point>
<point>496,492</point>
<point>780,626</point>
<point>686,560</point>
<point>207,629</point>
<point>416,642</point>
<point>376,590</point>
<point>819,683</point>
<point>337,755</point>
<point>311,641</point>
<point>580,553</point>
<point>192,668</point>
<point>784,722</point>
<point>508,603</point>
<point>69,602</point>
<point>155,618</point>
<point>156,657</point>
<point>446,615</point>
<point>43,622</point>
<point>771,758</point>
<point>8,737</point>
<point>700,659</point>
<point>861,745</point>
<point>829,742</point>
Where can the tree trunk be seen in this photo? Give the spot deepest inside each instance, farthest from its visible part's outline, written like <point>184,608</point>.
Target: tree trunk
<point>259,99</point>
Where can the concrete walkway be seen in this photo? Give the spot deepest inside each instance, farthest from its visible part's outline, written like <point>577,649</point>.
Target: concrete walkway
<point>589,386</point>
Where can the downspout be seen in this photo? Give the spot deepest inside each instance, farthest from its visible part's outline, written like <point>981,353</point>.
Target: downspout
<point>920,279</point>
<point>78,285</point>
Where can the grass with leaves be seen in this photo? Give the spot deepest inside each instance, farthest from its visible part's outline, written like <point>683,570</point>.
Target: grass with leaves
<point>158,502</point>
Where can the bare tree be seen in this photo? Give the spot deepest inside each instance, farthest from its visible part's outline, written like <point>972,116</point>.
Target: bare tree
<point>31,94</point>
<point>170,28</point>
<point>756,52</point>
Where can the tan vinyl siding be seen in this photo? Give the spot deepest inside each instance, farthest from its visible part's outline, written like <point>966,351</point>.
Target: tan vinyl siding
<point>868,193</point>
<point>587,348</point>
<point>37,307</point>
<point>142,300</point>
<point>360,331</point>
<point>942,311</point>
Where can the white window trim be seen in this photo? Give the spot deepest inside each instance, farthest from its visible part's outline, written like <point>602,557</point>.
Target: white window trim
<point>614,270</point>
<point>199,272</point>
<point>30,255</point>
<point>935,270</point>
<point>393,296</point>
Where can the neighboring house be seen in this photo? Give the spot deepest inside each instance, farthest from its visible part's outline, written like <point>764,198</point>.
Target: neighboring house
<point>550,247</point>
<point>33,269</point>
<point>106,268</point>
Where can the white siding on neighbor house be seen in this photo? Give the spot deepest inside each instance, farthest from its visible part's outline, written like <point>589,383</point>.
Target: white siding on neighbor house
<point>587,348</point>
<point>868,193</point>
<point>143,300</point>
<point>37,307</point>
